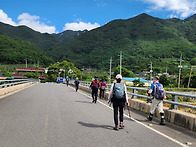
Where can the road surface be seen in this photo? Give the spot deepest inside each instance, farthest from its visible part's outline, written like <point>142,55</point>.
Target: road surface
<point>54,115</point>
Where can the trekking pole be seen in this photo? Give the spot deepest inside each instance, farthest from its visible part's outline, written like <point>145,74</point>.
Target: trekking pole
<point>128,109</point>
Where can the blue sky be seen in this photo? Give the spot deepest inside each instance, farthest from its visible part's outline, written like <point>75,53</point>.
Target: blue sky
<point>59,15</point>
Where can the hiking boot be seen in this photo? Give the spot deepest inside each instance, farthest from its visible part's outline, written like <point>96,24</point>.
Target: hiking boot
<point>162,122</point>
<point>150,117</point>
<point>116,128</point>
<point>162,119</point>
<point>121,125</point>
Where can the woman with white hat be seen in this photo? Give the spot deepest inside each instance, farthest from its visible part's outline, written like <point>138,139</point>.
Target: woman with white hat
<point>118,96</point>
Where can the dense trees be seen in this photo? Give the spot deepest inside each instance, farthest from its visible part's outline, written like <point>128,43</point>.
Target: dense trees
<point>15,51</point>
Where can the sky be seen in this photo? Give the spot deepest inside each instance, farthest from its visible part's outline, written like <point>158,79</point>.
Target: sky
<point>55,16</point>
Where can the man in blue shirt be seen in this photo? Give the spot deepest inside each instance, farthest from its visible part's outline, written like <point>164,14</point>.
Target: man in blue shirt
<point>158,94</point>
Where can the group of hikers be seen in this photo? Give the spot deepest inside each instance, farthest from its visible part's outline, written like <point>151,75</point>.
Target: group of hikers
<point>119,98</point>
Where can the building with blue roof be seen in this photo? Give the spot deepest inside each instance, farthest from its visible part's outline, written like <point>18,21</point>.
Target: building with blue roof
<point>129,81</point>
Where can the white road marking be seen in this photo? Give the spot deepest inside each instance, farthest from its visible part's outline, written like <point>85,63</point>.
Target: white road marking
<point>171,139</point>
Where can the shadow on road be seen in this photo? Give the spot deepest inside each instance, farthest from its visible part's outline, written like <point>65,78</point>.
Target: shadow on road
<point>87,102</point>
<point>90,125</point>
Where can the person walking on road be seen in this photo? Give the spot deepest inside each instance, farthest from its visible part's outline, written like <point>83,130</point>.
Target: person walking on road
<point>118,96</point>
<point>158,94</point>
<point>67,80</point>
<point>102,87</point>
<point>77,82</point>
<point>95,87</point>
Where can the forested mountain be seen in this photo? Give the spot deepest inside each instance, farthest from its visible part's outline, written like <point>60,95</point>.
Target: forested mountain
<point>141,39</point>
<point>39,40</point>
<point>15,51</point>
<point>68,34</point>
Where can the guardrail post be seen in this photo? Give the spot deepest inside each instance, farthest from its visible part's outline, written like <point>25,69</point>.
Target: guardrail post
<point>135,92</point>
<point>174,99</point>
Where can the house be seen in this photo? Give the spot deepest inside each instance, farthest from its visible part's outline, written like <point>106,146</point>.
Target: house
<point>129,81</point>
<point>21,72</point>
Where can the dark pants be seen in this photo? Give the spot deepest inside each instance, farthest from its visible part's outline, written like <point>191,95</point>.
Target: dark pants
<point>77,87</point>
<point>67,83</point>
<point>94,95</point>
<point>101,94</point>
<point>118,106</point>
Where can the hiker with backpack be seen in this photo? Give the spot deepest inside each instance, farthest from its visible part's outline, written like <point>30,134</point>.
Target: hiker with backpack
<point>158,94</point>
<point>118,96</point>
<point>67,80</point>
<point>95,87</point>
<point>102,87</point>
<point>77,82</point>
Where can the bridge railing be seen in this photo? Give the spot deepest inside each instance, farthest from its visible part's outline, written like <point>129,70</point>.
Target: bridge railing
<point>174,103</point>
<point>8,83</point>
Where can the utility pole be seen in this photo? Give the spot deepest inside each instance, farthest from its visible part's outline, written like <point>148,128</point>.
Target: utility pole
<point>120,63</point>
<point>38,64</point>
<point>180,69</point>
<point>26,62</point>
<point>192,67</point>
<point>110,70</point>
<point>151,71</point>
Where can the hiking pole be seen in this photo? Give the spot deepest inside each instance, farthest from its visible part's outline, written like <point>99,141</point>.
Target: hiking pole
<point>128,109</point>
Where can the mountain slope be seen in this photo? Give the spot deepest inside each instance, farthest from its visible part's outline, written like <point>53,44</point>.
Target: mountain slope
<point>68,34</point>
<point>39,40</point>
<point>141,39</point>
<point>14,51</point>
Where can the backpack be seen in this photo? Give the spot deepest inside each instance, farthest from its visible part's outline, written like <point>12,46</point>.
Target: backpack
<point>103,85</point>
<point>95,85</point>
<point>158,91</point>
<point>119,91</point>
<point>77,82</point>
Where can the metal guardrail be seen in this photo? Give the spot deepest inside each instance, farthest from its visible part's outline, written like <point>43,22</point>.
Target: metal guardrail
<point>8,83</point>
<point>174,103</point>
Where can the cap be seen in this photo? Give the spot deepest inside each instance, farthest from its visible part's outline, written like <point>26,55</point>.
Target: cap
<point>118,76</point>
<point>96,77</point>
<point>156,77</point>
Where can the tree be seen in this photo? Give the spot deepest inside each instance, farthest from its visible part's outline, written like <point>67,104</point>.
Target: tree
<point>164,80</point>
<point>32,75</point>
<point>7,74</point>
<point>68,69</point>
<point>125,72</point>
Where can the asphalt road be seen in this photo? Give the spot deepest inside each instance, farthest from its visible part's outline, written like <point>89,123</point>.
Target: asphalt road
<point>56,116</point>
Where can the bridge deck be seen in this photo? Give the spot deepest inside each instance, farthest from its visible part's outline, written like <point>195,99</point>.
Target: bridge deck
<point>56,116</point>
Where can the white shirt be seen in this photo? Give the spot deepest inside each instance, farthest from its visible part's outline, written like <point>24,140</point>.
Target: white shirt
<point>111,93</point>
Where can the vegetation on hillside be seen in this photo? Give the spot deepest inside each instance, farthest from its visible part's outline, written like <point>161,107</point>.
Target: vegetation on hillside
<point>141,39</point>
<point>15,51</point>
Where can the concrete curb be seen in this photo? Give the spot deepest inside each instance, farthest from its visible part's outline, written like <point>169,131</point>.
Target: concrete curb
<point>11,89</point>
<point>177,117</point>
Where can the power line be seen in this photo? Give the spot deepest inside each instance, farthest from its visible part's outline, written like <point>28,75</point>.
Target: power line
<point>180,69</point>
<point>120,63</point>
<point>110,70</point>
<point>151,71</point>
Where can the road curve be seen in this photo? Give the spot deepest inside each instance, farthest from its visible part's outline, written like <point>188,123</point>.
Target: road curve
<point>56,116</point>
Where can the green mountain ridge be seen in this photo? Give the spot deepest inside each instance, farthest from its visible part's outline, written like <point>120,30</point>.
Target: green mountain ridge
<point>15,51</point>
<point>39,40</point>
<point>141,39</point>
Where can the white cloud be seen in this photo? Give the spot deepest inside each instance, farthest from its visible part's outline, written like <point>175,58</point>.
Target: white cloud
<point>183,8</point>
<point>5,19</point>
<point>31,21</point>
<point>34,23</point>
<point>76,26</point>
